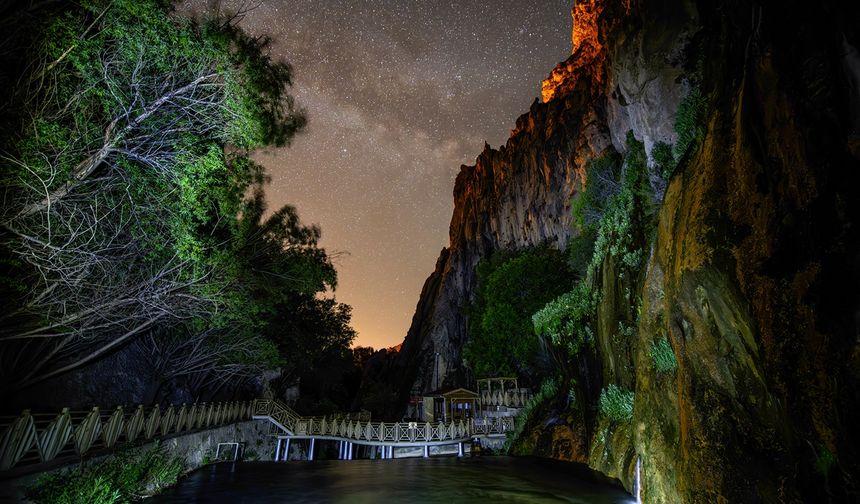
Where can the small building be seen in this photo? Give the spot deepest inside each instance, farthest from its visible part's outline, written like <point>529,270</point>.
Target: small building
<point>449,405</point>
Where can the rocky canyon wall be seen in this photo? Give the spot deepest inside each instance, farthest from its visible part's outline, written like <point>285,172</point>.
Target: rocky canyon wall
<point>752,277</point>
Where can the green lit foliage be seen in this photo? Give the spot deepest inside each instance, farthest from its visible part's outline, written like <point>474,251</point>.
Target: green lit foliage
<point>602,184</point>
<point>272,317</point>
<point>662,356</point>
<point>616,404</point>
<point>124,477</point>
<point>621,224</point>
<point>511,287</point>
<point>689,126</point>
<point>132,202</point>
<point>579,251</point>
<point>824,460</point>
<point>689,122</point>
<point>627,215</point>
<point>567,319</point>
<point>548,390</point>
<point>663,159</point>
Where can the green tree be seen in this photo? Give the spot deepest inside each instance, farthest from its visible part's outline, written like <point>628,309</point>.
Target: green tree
<point>511,287</point>
<point>125,174</point>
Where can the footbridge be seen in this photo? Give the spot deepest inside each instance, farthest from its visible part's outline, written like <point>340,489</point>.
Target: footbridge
<point>33,440</point>
<point>381,437</point>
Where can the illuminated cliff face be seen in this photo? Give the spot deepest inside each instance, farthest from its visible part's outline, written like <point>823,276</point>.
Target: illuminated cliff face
<point>587,53</point>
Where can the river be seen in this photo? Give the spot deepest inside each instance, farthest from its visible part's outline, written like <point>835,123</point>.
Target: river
<point>447,480</point>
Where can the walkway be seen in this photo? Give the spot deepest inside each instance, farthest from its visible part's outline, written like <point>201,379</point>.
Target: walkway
<point>35,438</point>
<point>386,436</point>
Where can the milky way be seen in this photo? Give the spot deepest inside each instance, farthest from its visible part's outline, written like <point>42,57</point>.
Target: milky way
<point>398,94</point>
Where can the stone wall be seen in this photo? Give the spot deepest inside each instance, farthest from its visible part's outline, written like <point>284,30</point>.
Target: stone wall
<point>196,449</point>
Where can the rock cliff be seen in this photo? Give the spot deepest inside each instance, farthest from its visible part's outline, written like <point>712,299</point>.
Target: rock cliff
<point>514,197</point>
<point>752,275</point>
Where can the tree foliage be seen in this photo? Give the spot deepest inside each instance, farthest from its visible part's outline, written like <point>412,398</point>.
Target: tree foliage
<point>132,211</point>
<point>567,320</point>
<point>616,403</point>
<point>511,287</point>
<point>627,217</point>
<point>601,185</point>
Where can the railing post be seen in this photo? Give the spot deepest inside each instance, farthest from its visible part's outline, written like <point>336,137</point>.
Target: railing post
<point>311,450</point>
<point>17,440</point>
<point>87,431</point>
<point>55,436</point>
<point>113,428</point>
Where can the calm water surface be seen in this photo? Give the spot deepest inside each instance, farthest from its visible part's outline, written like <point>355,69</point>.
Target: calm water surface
<point>442,480</point>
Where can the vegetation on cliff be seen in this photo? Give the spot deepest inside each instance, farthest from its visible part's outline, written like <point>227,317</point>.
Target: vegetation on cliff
<point>127,476</point>
<point>511,286</point>
<point>615,218</point>
<point>132,212</point>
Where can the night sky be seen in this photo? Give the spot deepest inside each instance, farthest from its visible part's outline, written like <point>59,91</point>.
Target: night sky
<point>398,94</point>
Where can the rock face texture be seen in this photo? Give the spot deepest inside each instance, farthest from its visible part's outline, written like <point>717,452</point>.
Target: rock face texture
<point>514,197</point>
<point>752,276</point>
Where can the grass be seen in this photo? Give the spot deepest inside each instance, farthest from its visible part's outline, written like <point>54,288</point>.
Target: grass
<point>127,476</point>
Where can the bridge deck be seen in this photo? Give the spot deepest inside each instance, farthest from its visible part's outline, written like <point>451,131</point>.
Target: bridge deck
<point>385,434</point>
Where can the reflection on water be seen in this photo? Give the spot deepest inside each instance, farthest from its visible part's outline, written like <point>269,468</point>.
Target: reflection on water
<point>443,480</point>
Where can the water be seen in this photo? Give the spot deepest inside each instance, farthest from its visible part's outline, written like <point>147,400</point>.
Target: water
<point>446,480</point>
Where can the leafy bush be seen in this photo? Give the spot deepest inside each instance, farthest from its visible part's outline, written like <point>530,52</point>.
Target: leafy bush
<point>662,356</point>
<point>626,330</point>
<point>627,214</point>
<point>824,460</point>
<point>689,121</point>
<point>547,391</point>
<point>689,126</point>
<point>580,249</point>
<point>566,320</point>
<point>664,159</point>
<point>616,404</point>
<point>602,183</point>
<point>125,477</point>
<point>511,287</point>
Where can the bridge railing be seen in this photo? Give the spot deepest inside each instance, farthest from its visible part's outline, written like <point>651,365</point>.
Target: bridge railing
<point>378,432</point>
<point>494,425</point>
<point>38,437</point>
<point>515,398</point>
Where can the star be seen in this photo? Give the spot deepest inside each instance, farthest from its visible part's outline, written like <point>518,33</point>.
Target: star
<point>398,96</point>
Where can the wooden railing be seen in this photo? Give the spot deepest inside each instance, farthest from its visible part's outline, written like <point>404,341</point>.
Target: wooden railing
<point>488,426</point>
<point>34,437</point>
<point>514,398</point>
<point>376,432</point>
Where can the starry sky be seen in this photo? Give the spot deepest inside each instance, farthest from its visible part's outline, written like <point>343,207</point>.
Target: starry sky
<point>399,94</point>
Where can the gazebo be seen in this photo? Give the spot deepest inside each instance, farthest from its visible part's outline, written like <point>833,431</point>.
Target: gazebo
<point>449,404</point>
